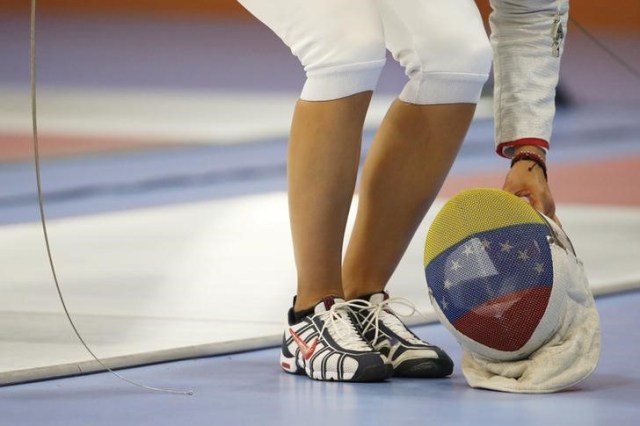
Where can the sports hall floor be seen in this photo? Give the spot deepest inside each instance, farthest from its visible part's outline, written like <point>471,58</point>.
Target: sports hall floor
<point>163,146</point>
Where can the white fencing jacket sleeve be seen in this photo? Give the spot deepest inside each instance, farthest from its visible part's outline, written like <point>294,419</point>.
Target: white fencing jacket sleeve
<point>527,39</point>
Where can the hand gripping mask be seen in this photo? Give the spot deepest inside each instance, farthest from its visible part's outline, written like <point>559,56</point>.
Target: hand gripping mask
<point>505,280</point>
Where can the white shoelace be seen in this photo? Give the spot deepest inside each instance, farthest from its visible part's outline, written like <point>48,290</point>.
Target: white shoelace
<point>340,325</point>
<point>384,312</point>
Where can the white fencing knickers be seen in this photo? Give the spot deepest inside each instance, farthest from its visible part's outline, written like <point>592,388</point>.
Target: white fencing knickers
<point>442,45</point>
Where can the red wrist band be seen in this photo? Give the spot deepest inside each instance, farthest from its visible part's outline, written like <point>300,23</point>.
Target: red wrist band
<point>531,156</point>
<point>505,149</point>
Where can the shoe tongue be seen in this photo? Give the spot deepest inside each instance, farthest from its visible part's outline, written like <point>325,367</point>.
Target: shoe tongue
<point>376,298</point>
<point>327,303</point>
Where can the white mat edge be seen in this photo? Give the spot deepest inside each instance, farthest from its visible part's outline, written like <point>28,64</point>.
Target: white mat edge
<point>217,349</point>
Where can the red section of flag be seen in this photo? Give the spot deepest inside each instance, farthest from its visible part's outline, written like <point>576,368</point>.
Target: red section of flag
<point>506,323</point>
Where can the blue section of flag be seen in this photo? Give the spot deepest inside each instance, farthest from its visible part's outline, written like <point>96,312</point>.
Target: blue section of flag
<point>490,265</point>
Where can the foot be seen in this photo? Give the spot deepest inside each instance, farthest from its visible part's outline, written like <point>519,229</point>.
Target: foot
<point>327,345</point>
<point>410,356</point>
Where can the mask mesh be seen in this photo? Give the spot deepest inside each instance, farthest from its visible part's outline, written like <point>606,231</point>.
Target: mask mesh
<point>489,268</point>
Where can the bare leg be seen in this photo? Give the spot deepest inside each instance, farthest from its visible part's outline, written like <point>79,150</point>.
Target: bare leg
<point>408,162</point>
<point>324,153</point>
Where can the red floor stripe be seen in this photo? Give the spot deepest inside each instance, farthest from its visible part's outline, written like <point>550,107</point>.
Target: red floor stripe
<point>608,182</point>
<point>19,147</point>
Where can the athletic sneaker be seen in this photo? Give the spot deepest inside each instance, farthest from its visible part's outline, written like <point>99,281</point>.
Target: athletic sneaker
<point>410,356</point>
<point>326,344</point>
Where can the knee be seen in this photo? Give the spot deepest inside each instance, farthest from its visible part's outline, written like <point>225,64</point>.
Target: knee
<point>342,66</point>
<point>452,70</point>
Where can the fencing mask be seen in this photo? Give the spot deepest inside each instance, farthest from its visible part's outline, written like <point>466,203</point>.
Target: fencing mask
<point>505,280</point>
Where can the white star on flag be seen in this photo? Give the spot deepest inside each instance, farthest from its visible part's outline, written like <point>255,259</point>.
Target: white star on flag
<point>486,243</point>
<point>523,255</point>
<point>468,250</point>
<point>539,268</point>
<point>505,247</point>
<point>447,284</point>
<point>444,304</point>
<point>479,264</point>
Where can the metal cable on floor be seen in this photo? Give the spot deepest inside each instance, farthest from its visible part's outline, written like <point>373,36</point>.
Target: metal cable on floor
<point>43,219</point>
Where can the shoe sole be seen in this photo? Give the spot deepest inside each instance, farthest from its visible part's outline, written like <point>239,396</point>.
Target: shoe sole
<point>421,368</point>
<point>374,373</point>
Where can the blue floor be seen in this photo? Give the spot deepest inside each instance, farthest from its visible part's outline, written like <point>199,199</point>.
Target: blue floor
<point>250,389</point>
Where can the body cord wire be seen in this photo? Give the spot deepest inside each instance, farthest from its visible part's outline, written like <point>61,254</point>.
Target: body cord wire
<point>34,121</point>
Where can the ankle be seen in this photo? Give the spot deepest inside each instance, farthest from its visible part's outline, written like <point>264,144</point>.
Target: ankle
<point>307,303</point>
<point>362,292</point>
